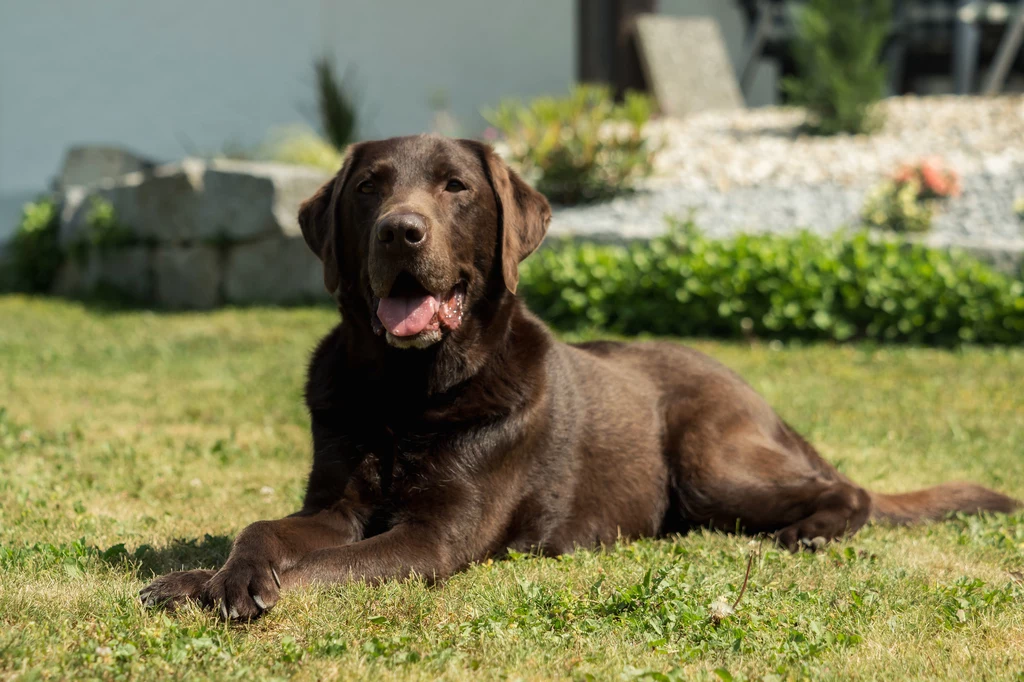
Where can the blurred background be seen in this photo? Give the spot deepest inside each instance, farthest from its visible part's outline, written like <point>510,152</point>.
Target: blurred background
<point>158,152</point>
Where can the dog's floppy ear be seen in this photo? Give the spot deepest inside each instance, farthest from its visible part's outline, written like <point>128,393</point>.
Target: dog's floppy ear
<point>317,217</point>
<point>523,213</point>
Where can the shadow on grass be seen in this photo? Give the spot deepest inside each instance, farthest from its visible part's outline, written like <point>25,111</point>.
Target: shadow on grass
<point>179,555</point>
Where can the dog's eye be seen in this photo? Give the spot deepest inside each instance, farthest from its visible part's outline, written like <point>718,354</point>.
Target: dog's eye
<point>454,186</point>
<point>367,187</point>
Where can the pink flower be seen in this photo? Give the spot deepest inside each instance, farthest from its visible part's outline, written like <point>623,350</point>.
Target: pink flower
<point>935,180</point>
<point>904,175</point>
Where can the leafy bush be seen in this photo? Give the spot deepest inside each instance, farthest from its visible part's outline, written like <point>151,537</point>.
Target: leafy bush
<point>584,147</point>
<point>301,146</point>
<point>908,201</point>
<point>838,57</point>
<point>34,251</point>
<point>798,286</point>
<point>103,229</point>
<point>897,207</point>
<point>337,112</point>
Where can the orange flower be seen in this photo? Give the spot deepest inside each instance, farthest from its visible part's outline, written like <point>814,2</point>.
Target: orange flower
<point>904,174</point>
<point>934,179</point>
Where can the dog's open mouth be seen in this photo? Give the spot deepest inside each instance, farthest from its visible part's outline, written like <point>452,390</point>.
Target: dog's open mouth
<point>410,311</point>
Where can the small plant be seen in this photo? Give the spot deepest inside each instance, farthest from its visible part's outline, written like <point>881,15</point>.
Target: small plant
<point>335,107</point>
<point>908,200</point>
<point>102,230</point>
<point>1018,207</point>
<point>584,147</point>
<point>301,146</point>
<point>838,57</point>
<point>34,251</point>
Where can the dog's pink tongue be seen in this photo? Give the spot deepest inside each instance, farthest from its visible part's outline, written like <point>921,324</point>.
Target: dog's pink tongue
<point>406,316</point>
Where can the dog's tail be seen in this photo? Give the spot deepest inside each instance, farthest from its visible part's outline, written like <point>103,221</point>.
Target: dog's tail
<point>938,501</point>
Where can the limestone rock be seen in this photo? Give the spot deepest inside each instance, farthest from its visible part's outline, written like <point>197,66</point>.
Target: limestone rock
<point>244,200</point>
<point>687,64</point>
<point>128,272</point>
<point>90,164</point>
<point>277,270</point>
<point>187,277</point>
<point>196,201</point>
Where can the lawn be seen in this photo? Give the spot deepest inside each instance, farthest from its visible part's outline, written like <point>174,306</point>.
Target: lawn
<point>133,443</point>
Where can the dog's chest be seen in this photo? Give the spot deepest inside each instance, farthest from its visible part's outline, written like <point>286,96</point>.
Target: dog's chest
<point>390,471</point>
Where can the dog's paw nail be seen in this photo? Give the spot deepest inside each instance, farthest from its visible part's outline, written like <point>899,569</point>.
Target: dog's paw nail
<point>233,614</point>
<point>818,542</point>
<point>277,580</point>
<point>224,611</point>
<point>259,602</point>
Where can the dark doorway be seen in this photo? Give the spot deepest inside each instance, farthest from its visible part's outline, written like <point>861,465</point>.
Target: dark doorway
<point>607,51</point>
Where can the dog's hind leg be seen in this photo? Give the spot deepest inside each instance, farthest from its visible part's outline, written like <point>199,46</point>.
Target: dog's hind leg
<point>747,481</point>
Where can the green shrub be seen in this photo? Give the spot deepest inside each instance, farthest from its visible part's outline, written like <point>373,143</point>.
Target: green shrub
<point>301,146</point>
<point>838,53</point>
<point>34,253</point>
<point>337,112</point>
<point>102,230</point>
<point>898,207</point>
<point>772,286</point>
<point>584,147</point>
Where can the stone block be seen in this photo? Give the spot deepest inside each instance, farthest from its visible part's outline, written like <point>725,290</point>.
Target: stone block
<point>127,272</point>
<point>195,201</point>
<point>245,200</point>
<point>187,277</point>
<point>687,64</point>
<point>90,164</point>
<point>276,271</point>
<point>161,206</point>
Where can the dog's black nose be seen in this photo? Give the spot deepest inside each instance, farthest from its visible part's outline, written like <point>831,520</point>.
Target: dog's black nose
<point>402,229</point>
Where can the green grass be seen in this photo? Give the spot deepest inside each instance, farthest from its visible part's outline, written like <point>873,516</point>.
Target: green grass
<point>132,443</point>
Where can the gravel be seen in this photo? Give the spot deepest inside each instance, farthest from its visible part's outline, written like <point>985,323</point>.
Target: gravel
<point>723,150</point>
<point>752,170</point>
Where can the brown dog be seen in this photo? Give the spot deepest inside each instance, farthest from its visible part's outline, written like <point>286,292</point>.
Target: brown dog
<point>449,424</point>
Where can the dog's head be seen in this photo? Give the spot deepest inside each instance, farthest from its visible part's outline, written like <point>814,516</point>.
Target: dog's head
<point>414,232</point>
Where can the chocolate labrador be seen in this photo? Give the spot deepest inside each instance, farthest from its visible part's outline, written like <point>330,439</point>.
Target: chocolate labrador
<point>449,424</point>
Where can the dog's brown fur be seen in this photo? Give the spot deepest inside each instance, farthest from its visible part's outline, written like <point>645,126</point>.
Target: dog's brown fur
<point>499,436</point>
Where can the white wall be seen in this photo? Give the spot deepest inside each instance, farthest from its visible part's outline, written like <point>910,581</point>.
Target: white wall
<point>189,76</point>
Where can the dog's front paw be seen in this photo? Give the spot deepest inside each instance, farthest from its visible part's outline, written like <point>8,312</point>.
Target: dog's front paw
<point>171,590</point>
<point>244,589</point>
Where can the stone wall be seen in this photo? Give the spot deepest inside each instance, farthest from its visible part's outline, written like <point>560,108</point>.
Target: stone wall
<point>194,234</point>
